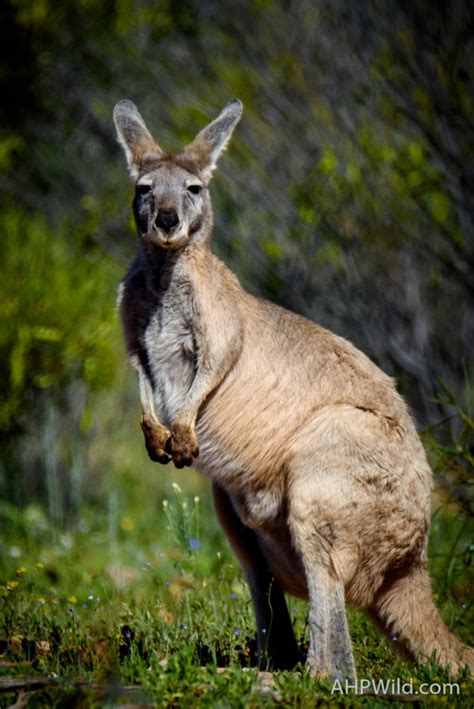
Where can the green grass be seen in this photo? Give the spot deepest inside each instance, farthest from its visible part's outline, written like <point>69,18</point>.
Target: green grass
<point>138,588</point>
<point>148,594</point>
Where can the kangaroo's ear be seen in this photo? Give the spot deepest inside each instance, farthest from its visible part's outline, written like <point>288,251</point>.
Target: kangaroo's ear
<point>133,136</point>
<point>213,139</point>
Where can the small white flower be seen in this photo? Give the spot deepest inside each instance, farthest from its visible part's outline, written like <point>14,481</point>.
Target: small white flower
<point>176,487</point>
<point>66,541</point>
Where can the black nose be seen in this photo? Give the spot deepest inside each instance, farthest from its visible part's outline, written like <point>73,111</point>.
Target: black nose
<point>167,219</point>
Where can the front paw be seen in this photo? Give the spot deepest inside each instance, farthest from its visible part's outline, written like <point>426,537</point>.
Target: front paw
<point>156,439</point>
<point>183,444</point>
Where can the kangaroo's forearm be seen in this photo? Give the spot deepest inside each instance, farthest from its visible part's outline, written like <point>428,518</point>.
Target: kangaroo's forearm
<point>205,381</point>
<point>144,387</point>
<point>218,346</point>
<point>156,435</point>
<point>211,371</point>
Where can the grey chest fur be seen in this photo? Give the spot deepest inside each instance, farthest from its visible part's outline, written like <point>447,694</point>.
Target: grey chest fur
<point>171,352</point>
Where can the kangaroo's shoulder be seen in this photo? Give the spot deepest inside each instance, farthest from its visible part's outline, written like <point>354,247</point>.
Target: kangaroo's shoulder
<point>214,284</point>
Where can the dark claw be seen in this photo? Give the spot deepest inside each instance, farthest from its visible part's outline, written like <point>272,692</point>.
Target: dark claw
<point>157,457</point>
<point>152,455</point>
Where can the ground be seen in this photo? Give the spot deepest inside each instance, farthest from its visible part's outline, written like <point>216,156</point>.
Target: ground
<point>143,604</point>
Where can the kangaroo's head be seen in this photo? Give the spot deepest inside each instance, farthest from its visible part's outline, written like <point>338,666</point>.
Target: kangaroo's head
<point>172,203</point>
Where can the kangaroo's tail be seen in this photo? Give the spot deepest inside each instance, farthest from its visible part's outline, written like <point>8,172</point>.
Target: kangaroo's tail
<point>407,609</point>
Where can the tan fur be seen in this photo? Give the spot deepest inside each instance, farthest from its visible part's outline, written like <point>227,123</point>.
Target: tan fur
<point>320,480</point>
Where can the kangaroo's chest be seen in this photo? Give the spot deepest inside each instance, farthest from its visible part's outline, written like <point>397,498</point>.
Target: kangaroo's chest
<point>171,352</point>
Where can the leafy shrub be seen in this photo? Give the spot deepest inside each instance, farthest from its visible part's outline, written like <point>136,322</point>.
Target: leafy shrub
<point>58,330</point>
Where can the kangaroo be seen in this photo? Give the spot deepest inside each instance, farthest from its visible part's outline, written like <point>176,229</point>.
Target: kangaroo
<point>319,479</point>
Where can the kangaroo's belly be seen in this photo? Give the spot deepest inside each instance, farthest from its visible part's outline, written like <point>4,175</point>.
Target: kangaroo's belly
<point>265,511</point>
<point>283,562</point>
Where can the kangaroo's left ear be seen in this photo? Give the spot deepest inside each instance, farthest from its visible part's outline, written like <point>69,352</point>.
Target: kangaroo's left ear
<point>212,140</point>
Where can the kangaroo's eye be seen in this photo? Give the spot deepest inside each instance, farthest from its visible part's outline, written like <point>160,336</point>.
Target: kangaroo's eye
<point>143,189</point>
<point>194,189</point>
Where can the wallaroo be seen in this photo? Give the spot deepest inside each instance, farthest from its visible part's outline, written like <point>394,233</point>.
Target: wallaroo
<point>320,481</point>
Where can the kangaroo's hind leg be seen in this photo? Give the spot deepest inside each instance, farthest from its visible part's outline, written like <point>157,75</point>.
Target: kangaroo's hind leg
<point>330,649</point>
<point>276,642</point>
<point>340,645</point>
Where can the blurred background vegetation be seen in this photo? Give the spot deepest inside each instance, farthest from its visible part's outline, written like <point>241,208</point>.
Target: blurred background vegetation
<point>347,195</point>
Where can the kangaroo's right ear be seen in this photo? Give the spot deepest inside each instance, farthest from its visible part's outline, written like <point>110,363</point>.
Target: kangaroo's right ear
<point>133,136</point>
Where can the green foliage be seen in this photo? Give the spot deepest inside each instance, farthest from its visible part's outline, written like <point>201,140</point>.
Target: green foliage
<point>453,462</point>
<point>130,596</point>
<point>59,339</point>
<point>454,458</point>
<point>57,318</point>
